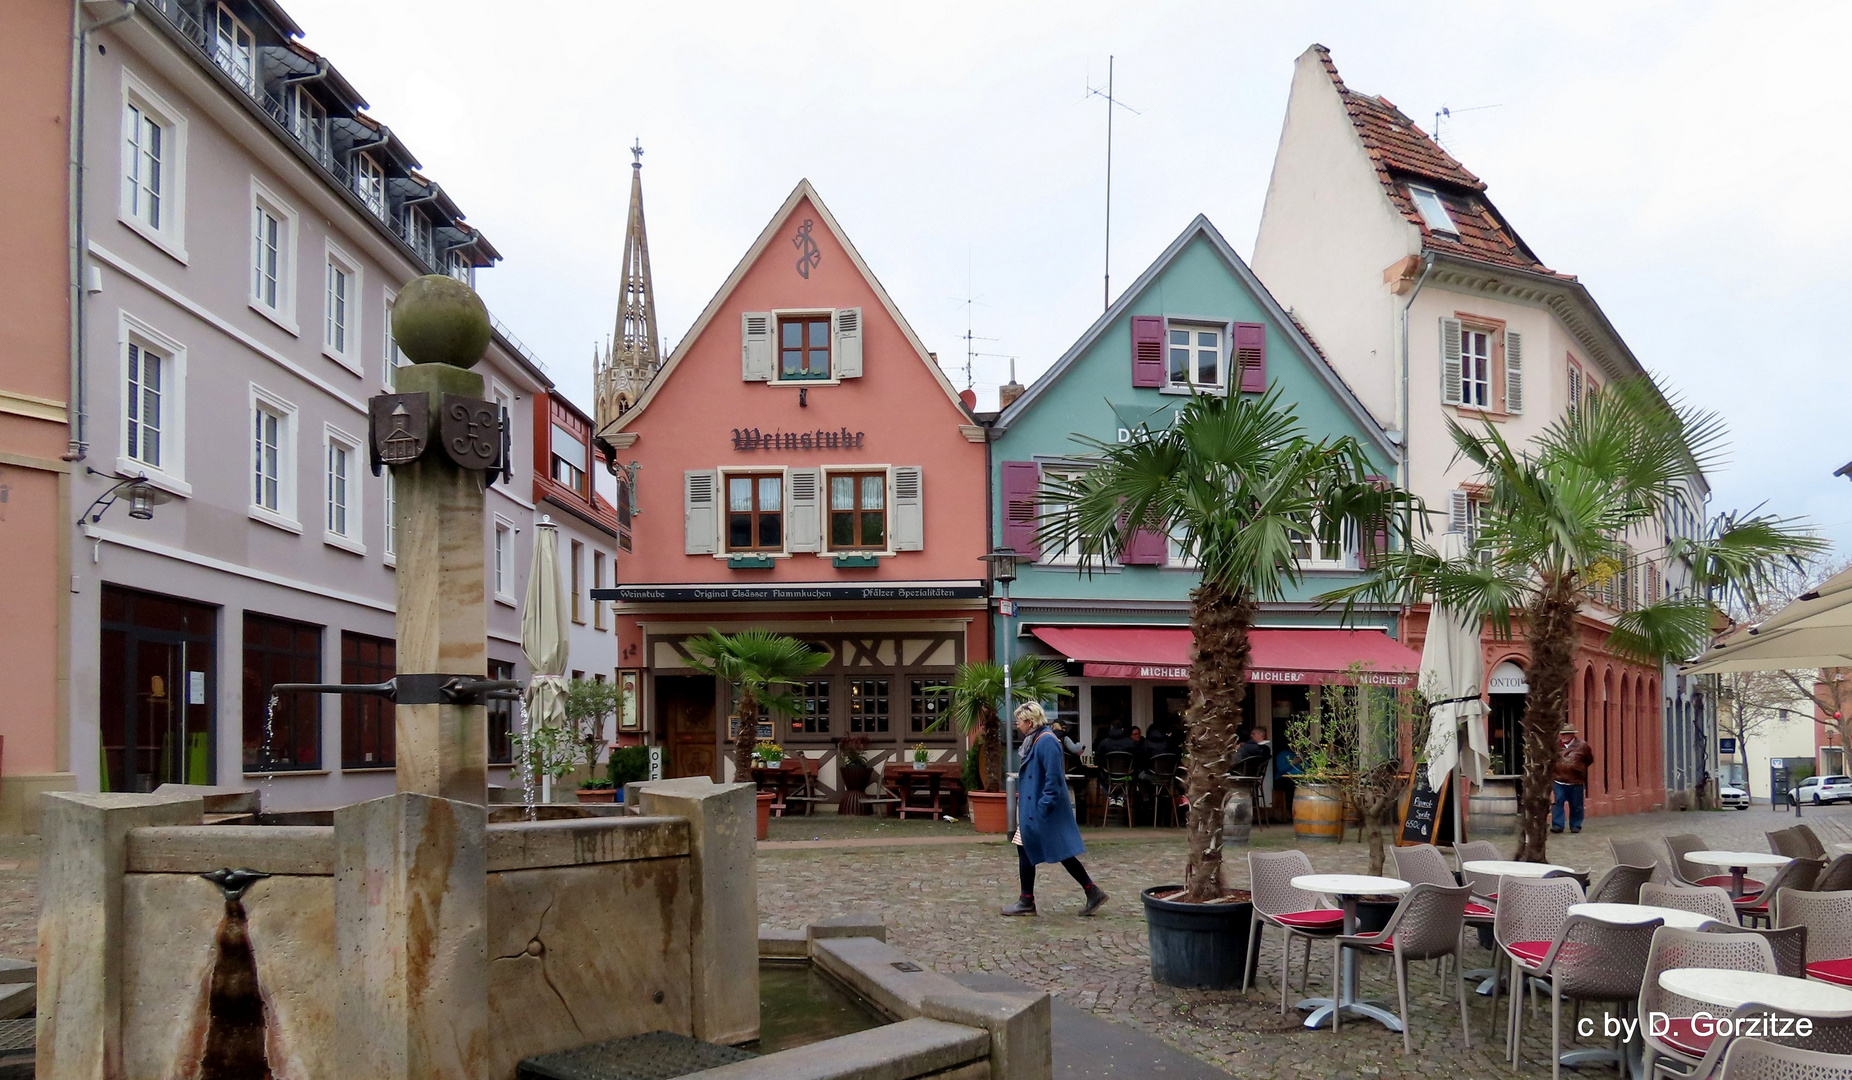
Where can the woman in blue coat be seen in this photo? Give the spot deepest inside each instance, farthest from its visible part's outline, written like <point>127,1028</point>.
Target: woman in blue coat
<point>1046,831</point>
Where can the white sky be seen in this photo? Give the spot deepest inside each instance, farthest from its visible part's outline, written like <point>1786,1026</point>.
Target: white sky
<point>1687,160</point>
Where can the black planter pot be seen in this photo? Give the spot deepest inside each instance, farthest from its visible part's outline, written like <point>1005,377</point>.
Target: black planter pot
<point>1373,915</point>
<point>1196,945</point>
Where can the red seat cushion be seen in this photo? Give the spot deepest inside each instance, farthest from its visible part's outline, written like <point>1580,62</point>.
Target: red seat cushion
<point>1316,919</point>
<point>1722,881</point>
<point>1530,952</point>
<point>1386,945</point>
<point>1678,1034</point>
<point>1478,911</point>
<point>1832,971</point>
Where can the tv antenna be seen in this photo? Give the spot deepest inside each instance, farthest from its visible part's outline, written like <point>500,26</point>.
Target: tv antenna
<point>1447,114</point>
<point>1094,91</point>
<point>969,337</point>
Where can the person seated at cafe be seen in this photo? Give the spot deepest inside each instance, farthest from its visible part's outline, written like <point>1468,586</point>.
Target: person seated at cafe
<point>1069,745</point>
<point>1255,746</point>
<point>1117,740</point>
<point>1158,743</point>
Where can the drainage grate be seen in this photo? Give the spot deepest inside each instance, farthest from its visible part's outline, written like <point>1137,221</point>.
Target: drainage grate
<point>658,1055</point>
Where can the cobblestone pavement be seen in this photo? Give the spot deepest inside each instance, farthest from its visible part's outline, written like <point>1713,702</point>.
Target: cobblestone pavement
<point>940,902</point>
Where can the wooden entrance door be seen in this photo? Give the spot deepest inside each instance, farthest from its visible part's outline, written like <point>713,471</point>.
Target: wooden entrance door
<point>685,710</point>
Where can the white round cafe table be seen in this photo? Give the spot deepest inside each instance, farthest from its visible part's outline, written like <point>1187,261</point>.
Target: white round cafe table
<point>1631,914</point>
<point>1509,868</point>
<point>1347,888</point>
<point>1728,989</point>
<point>1738,863</point>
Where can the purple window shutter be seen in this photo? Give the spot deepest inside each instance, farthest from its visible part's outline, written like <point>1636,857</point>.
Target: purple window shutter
<point>1147,547</point>
<point>1022,492</point>
<point>1147,350</point>
<point>1251,356</point>
<point>1378,541</point>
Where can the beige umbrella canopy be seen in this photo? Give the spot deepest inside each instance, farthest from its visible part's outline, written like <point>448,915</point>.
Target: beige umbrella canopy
<point>544,633</point>
<point>1452,677</point>
<point>1814,631</point>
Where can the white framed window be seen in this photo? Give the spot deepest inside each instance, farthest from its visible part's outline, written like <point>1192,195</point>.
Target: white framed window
<point>501,564</point>
<point>341,309</point>
<point>153,382</point>
<point>1328,553</point>
<point>1475,368</point>
<point>273,460</point>
<point>341,505</point>
<point>273,252</point>
<point>1463,514</point>
<point>370,183</point>
<point>1174,551</point>
<point>392,529</point>
<point>393,358</point>
<point>1054,480</point>
<point>154,136</point>
<point>458,266</point>
<point>1195,357</point>
<point>1432,210</point>
<point>308,121</point>
<point>232,48</point>
<point>570,459</point>
<point>418,235</point>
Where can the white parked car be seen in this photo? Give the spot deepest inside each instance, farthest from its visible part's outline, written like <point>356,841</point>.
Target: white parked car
<point>1733,796</point>
<point>1822,789</point>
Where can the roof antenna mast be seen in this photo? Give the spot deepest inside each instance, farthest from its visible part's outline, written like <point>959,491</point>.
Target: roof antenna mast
<point>1094,91</point>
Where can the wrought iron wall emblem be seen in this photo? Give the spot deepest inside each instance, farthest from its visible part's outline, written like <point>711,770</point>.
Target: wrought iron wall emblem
<point>401,426</point>
<point>809,255</point>
<point>471,430</point>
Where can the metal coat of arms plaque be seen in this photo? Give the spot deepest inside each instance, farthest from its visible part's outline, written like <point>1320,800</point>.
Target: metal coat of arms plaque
<point>400,425</point>
<point>471,431</point>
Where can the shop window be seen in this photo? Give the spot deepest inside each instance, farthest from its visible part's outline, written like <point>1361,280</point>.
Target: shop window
<point>755,513</point>
<point>275,651</point>
<point>366,722</point>
<point>868,706</point>
<point>813,708</point>
<point>858,511</point>
<point>931,707</point>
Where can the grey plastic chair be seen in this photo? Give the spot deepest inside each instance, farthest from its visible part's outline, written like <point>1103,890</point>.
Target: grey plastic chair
<point>1485,886</point>
<point>1590,960</point>
<point>1688,873</point>
<point>1789,944</point>
<point>1837,877</point>
<point>1759,1059</point>
<point>1294,911</point>
<point>1423,864</point>
<point>1530,918</point>
<point>1688,1054</point>
<point>1810,840</point>
<point>1641,853</point>
<point>1703,899</point>
<point>1786,842</point>
<point>1620,885</point>
<point>1827,917</point>
<point>1797,875</point>
<point>1426,926</point>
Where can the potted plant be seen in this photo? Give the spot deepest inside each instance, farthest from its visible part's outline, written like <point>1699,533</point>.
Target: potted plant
<point>588,703</point>
<point>976,705</point>
<point>551,751</point>
<point>760,667</point>
<point>1321,744</point>
<point>1238,485</point>
<point>919,755</point>
<point>768,753</point>
<point>627,765</point>
<point>852,765</point>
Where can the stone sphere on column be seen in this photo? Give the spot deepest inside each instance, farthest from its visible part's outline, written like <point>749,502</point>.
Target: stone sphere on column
<point>437,319</point>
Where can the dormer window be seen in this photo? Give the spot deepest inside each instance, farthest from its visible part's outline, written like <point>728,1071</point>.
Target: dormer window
<point>232,47</point>
<point>1433,211</point>
<point>370,183</point>
<point>457,265</point>
<point>308,121</point>
<point>418,234</point>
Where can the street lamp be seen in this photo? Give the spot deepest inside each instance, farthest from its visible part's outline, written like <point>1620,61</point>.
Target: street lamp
<point>143,498</point>
<point>1002,562</point>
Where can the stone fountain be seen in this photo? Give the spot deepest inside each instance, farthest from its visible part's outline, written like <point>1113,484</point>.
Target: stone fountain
<point>419,936</point>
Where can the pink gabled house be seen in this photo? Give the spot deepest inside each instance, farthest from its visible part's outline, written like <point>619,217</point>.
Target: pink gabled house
<point>802,465</point>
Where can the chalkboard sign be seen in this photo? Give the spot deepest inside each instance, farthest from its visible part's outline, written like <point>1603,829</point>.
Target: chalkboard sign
<point>1425,818</point>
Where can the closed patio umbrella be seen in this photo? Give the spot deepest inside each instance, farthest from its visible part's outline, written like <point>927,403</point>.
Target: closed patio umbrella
<point>1452,678</point>
<point>544,638</point>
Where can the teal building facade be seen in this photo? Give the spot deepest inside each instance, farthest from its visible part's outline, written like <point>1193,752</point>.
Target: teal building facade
<point>1196,321</point>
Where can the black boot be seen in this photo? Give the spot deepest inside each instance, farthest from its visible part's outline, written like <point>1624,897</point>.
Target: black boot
<point>1096,899</point>
<point>1024,905</point>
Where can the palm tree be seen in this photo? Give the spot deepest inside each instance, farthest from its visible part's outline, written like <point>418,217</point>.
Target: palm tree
<point>1558,530</point>
<point>760,666</point>
<point>1245,493</point>
<point>976,702</point>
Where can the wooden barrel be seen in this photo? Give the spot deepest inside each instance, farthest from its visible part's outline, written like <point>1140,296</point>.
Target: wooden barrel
<point>1318,814</point>
<point>1493,809</point>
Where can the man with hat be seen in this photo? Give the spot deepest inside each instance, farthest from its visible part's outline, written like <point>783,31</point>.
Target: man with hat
<point>1573,757</point>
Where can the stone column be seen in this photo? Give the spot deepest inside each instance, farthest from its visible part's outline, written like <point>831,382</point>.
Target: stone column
<point>411,938</point>
<point>84,845</point>
<point>439,526</point>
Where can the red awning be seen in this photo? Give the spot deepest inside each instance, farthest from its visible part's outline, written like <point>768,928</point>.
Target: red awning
<point>1292,657</point>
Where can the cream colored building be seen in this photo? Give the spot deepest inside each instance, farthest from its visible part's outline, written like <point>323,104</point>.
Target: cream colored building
<point>1433,309</point>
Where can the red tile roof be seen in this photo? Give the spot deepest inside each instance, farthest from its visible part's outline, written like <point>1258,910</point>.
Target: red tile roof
<point>1402,153</point>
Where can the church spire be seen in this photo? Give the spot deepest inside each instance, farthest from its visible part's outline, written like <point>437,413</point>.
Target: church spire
<point>633,356</point>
